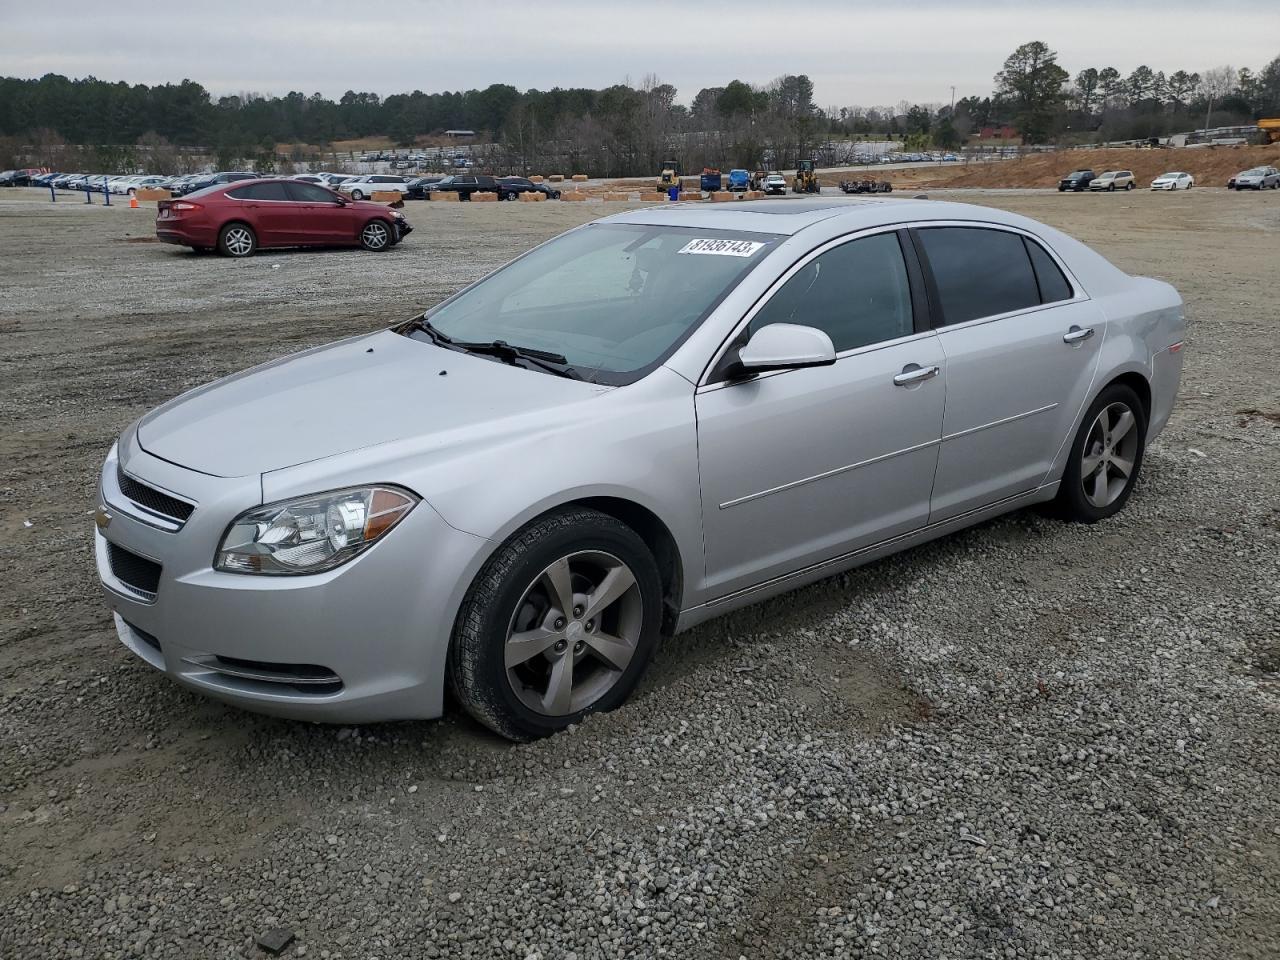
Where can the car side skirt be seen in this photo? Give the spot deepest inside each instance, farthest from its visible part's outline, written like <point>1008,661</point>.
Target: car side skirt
<point>692,616</point>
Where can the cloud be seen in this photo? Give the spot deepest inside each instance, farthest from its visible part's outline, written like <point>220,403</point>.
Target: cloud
<point>859,53</point>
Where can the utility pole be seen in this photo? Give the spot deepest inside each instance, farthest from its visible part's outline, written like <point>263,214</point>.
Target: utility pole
<point>953,102</point>
<point>1206,116</point>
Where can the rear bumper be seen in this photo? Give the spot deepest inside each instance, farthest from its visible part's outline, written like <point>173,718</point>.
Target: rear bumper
<point>186,234</point>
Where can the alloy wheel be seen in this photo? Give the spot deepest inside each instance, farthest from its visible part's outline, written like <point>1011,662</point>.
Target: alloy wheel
<point>239,241</point>
<point>375,235</point>
<point>1109,454</point>
<point>573,633</point>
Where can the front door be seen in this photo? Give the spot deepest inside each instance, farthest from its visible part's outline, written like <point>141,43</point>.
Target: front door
<point>319,217</point>
<point>1021,347</point>
<point>801,466</point>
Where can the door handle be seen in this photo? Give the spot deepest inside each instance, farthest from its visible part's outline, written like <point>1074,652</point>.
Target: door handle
<point>1077,335</point>
<point>913,373</point>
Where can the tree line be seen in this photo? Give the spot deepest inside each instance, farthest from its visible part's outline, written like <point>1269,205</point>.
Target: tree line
<point>621,129</point>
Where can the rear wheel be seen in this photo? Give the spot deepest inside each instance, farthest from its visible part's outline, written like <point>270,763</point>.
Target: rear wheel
<point>376,236</point>
<point>560,623</point>
<point>1105,456</point>
<point>237,240</point>
<point>1129,185</point>
<point>357,194</point>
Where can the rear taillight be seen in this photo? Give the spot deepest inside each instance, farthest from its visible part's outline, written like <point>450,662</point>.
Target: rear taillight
<point>184,205</point>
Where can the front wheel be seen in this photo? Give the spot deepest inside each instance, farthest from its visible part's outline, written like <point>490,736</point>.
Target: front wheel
<point>1105,456</point>
<point>560,623</point>
<point>1111,188</point>
<point>376,236</point>
<point>237,240</point>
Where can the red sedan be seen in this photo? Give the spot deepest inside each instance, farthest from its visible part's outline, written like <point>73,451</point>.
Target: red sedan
<point>238,218</point>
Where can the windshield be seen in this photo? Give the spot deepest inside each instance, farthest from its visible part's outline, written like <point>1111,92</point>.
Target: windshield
<point>612,299</point>
<point>1168,176</point>
<point>1255,172</point>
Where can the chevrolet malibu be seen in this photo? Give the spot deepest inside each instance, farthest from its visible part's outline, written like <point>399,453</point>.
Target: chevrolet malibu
<point>641,424</point>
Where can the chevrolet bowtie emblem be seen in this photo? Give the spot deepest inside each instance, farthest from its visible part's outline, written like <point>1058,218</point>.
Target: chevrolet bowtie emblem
<point>102,518</point>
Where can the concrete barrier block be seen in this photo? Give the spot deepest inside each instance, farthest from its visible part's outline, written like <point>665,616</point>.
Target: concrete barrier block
<point>580,178</point>
<point>150,193</point>
<point>442,195</point>
<point>720,196</point>
<point>531,196</point>
<point>484,196</point>
<point>573,195</point>
<point>753,195</point>
<point>693,195</point>
<point>556,178</point>
<point>535,179</point>
<point>386,196</point>
<point>614,195</point>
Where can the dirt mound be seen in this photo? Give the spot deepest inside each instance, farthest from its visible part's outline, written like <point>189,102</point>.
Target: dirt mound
<point>1211,166</point>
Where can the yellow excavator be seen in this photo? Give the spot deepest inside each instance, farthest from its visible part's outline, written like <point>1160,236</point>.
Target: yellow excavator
<point>1270,130</point>
<point>806,179</point>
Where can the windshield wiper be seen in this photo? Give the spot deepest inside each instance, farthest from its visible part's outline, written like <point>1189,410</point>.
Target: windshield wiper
<point>555,363</point>
<point>542,359</point>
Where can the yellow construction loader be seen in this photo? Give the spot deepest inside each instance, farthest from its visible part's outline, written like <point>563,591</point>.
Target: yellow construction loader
<point>806,179</point>
<point>670,176</point>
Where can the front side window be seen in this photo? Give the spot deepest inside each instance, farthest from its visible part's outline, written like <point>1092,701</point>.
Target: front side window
<point>613,299</point>
<point>858,293</point>
<point>310,193</point>
<point>979,272</point>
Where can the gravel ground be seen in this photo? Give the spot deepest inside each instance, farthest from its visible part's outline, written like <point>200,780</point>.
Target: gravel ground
<point>1025,740</point>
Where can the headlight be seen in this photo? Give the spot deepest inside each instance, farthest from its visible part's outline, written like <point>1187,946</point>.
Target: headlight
<point>311,534</point>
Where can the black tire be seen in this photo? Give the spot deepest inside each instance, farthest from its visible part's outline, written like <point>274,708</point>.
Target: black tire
<point>1129,185</point>
<point>237,240</point>
<point>357,194</point>
<point>377,236</point>
<point>477,670</point>
<point>1111,188</point>
<point>1072,502</point>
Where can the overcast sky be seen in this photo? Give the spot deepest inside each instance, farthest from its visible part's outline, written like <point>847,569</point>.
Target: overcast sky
<point>867,53</point>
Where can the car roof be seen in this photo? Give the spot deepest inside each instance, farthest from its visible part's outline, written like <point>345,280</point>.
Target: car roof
<point>786,216</point>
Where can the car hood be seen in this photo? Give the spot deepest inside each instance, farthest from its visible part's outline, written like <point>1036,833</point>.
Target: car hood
<point>342,397</point>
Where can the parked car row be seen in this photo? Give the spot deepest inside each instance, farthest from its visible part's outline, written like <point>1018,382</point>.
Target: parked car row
<point>1255,178</point>
<point>868,158</point>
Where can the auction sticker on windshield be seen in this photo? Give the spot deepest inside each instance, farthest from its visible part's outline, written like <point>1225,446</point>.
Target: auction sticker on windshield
<point>722,248</point>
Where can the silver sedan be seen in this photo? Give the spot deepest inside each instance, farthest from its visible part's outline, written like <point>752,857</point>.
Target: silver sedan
<point>643,423</point>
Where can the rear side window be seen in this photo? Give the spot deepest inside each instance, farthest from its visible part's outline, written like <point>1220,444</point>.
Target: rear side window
<point>858,293</point>
<point>259,191</point>
<point>979,272</point>
<point>1053,285</point>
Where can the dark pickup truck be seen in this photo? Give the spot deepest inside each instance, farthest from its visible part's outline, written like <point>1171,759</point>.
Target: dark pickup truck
<point>465,184</point>
<point>1077,180</point>
<point>509,188</point>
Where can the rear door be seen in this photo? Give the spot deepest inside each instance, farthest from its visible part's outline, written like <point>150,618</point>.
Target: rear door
<point>268,210</point>
<point>1022,342</point>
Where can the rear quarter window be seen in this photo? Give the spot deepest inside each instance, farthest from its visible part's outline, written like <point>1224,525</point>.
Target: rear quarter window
<point>1053,284</point>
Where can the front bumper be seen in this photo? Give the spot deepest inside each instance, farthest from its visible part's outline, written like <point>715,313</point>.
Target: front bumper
<point>364,642</point>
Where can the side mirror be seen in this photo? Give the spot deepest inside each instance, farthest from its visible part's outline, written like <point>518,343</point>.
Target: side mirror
<point>784,346</point>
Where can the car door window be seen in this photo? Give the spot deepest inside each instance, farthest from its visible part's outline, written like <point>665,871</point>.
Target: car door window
<point>309,193</point>
<point>1053,285</point>
<point>858,293</point>
<point>979,272</point>
<point>259,191</point>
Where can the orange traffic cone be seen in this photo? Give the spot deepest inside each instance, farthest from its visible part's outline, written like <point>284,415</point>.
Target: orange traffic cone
<point>133,203</point>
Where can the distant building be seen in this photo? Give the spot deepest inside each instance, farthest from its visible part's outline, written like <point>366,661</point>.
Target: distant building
<point>998,133</point>
<point>459,134</point>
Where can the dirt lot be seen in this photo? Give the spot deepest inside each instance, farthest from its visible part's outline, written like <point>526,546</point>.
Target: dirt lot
<point>1026,740</point>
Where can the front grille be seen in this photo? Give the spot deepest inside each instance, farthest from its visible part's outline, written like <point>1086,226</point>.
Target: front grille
<point>156,501</point>
<point>137,573</point>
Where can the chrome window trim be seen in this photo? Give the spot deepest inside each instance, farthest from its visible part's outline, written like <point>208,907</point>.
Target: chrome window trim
<point>777,285</point>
